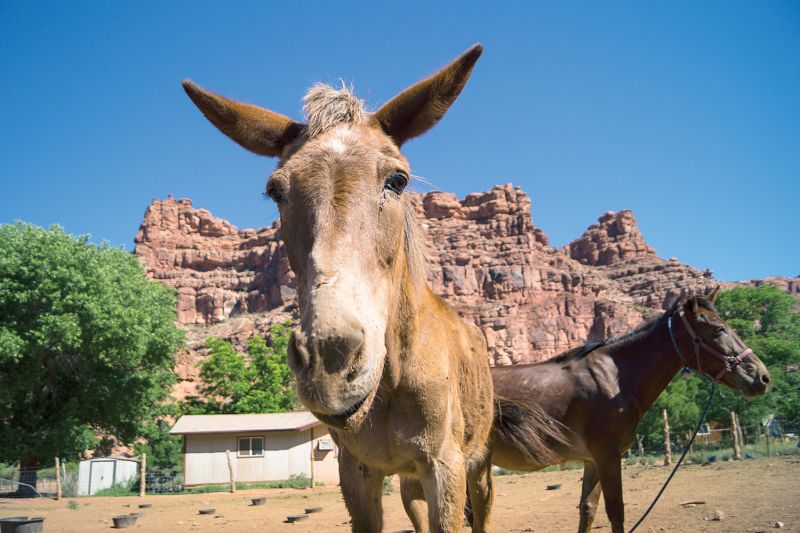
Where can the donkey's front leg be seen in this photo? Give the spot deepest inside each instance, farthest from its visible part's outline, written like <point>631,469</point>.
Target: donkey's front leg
<point>414,503</point>
<point>444,482</point>
<point>361,488</point>
<point>479,481</point>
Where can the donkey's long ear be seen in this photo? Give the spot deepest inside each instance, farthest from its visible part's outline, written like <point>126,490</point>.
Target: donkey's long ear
<point>418,108</point>
<point>713,296</point>
<point>255,128</point>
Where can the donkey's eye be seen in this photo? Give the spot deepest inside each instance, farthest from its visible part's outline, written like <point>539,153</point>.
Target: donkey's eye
<point>719,330</point>
<point>275,193</point>
<point>396,182</point>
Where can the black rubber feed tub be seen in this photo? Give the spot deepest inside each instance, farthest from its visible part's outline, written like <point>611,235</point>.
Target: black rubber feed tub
<point>21,524</point>
<point>125,520</point>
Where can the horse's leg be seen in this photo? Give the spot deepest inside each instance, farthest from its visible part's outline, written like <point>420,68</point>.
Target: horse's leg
<point>361,488</point>
<point>590,494</point>
<point>479,483</point>
<point>609,468</point>
<point>414,503</point>
<point>444,482</point>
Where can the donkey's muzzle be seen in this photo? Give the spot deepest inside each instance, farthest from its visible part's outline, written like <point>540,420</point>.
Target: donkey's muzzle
<point>329,369</point>
<point>333,352</point>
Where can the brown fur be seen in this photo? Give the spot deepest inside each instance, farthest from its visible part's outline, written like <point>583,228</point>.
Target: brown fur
<point>600,392</point>
<point>402,381</point>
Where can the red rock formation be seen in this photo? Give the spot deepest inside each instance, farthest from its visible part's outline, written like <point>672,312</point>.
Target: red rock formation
<point>615,238</point>
<point>217,269</point>
<point>486,259</point>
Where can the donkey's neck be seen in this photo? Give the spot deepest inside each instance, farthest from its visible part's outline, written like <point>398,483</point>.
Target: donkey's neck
<point>647,364</point>
<point>402,330</point>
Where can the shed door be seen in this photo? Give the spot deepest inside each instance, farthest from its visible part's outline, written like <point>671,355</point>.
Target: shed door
<point>101,475</point>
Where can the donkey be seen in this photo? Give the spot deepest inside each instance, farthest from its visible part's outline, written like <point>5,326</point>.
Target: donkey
<point>599,392</point>
<point>402,381</point>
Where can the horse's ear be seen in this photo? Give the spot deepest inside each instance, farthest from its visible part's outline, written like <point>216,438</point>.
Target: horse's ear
<point>254,128</point>
<point>695,305</point>
<point>713,296</point>
<point>415,110</point>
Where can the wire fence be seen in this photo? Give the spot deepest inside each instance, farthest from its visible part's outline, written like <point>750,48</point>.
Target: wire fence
<point>714,442</point>
<point>41,481</point>
<point>718,443</point>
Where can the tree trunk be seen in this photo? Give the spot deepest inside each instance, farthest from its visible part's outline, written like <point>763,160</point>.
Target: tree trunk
<point>667,443</point>
<point>28,476</point>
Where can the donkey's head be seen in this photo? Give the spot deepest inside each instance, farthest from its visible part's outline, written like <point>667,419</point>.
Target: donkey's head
<point>717,350</point>
<point>349,229</point>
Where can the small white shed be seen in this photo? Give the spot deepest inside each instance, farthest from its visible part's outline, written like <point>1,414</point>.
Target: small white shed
<point>104,472</point>
<point>263,447</point>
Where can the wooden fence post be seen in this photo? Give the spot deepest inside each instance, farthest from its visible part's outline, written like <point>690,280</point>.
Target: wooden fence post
<point>230,471</point>
<point>58,478</point>
<point>312,459</point>
<point>737,449</point>
<point>667,444</point>
<point>641,448</point>
<point>766,436</point>
<point>143,476</point>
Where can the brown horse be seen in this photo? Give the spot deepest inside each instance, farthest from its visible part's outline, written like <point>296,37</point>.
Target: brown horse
<point>403,382</point>
<point>599,392</point>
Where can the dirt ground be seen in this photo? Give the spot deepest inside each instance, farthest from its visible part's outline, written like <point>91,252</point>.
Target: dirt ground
<point>752,495</point>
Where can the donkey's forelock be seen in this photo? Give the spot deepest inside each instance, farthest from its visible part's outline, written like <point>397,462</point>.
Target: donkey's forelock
<point>326,107</point>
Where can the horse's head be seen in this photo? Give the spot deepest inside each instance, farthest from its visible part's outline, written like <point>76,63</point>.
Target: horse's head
<point>349,229</point>
<point>717,350</point>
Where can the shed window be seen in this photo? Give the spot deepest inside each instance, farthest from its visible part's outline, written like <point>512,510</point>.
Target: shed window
<point>251,446</point>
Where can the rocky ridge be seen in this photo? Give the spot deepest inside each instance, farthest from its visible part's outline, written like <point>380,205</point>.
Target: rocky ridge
<point>486,258</point>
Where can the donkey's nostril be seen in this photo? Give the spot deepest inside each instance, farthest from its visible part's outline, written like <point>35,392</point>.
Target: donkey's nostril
<point>297,355</point>
<point>345,344</point>
<point>765,379</point>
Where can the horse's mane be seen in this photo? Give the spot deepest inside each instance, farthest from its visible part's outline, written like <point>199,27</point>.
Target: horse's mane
<point>641,330</point>
<point>618,341</point>
<point>623,339</point>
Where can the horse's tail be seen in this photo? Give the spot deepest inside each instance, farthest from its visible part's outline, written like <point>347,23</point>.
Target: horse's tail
<point>522,424</point>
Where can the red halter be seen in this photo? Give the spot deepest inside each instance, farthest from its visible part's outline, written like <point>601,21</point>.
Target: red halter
<point>730,362</point>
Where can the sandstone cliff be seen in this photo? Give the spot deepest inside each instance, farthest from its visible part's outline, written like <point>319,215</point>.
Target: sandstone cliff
<point>487,259</point>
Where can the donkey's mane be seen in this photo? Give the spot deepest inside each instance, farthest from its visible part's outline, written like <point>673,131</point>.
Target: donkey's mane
<point>416,257</point>
<point>326,107</point>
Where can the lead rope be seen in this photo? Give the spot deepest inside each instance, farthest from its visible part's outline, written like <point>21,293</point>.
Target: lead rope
<point>691,440</point>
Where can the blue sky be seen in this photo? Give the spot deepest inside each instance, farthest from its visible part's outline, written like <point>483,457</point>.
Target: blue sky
<point>688,113</point>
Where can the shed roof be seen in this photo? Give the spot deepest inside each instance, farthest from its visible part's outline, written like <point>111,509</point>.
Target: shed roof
<point>295,421</point>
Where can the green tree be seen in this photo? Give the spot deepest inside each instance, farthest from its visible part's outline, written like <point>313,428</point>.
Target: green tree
<point>680,401</point>
<point>86,344</point>
<point>164,451</point>
<point>766,320</point>
<point>259,383</point>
